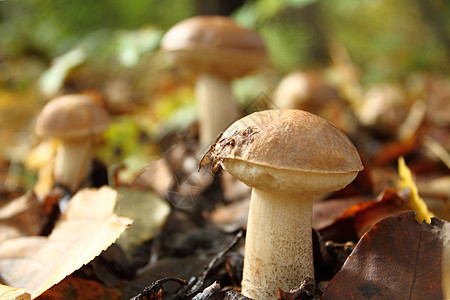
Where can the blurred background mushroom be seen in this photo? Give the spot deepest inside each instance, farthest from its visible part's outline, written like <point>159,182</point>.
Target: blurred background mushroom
<point>384,109</point>
<point>75,121</point>
<point>313,91</point>
<point>305,90</point>
<point>216,50</point>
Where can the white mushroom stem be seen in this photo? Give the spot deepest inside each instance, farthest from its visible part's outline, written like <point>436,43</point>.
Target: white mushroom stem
<point>216,107</point>
<point>72,162</point>
<point>278,244</point>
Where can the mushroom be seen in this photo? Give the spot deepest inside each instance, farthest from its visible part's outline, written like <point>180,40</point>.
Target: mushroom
<point>74,120</point>
<point>287,157</point>
<point>305,90</point>
<point>217,50</point>
<point>310,91</point>
<point>384,109</point>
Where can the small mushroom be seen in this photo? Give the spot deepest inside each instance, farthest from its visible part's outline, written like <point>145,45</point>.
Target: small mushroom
<point>287,157</point>
<point>217,50</point>
<point>384,109</point>
<point>305,90</point>
<point>74,120</point>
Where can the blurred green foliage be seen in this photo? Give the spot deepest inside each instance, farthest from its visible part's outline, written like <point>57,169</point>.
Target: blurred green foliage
<point>51,27</point>
<point>57,46</point>
<point>387,39</point>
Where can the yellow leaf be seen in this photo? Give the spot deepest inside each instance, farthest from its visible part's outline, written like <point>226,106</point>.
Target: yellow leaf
<point>415,201</point>
<point>87,227</point>
<point>41,155</point>
<point>42,159</point>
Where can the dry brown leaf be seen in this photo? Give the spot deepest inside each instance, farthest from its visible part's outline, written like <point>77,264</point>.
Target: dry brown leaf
<point>308,289</point>
<point>360,217</point>
<point>22,216</point>
<point>11,293</point>
<point>390,151</point>
<point>397,259</point>
<point>87,227</point>
<point>78,288</point>
<point>325,213</point>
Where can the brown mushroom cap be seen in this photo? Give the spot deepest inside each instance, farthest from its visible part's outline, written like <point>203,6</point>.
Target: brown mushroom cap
<point>216,45</point>
<point>71,116</point>
<point>287,150</point>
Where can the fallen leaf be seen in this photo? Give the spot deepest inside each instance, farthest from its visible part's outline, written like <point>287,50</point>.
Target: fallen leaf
<point>360,217</point>
<point>390,151</point>
<point>415,201</point>
<point>308,289</point>
<point>149,213</point>
<point>75,288</point>
<point>326,212</point>
<point>41,159</point>
<point>436,193</point>
<point>11,293</point>
<point>41,154</point>
<point>22,216</point>
<point>398,258</point>
<point>86,228</point>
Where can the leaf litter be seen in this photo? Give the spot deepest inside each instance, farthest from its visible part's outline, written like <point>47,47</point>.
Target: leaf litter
<point>180,253</point>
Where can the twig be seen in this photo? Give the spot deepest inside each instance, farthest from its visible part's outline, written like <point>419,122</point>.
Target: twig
<point>198,281</point>
<point>155,290</point>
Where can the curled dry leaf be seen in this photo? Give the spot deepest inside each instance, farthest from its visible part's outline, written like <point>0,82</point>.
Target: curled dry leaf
<point>398,258</point>
<point>308,289</point>
<point>87,227</point>
<point>361,216</point>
